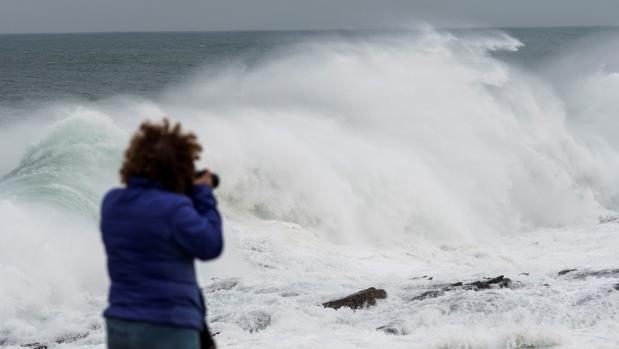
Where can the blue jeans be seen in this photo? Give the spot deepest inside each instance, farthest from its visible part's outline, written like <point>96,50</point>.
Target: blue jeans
<point>123,334</point>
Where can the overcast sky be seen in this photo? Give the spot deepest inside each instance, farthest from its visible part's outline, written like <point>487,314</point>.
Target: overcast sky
<point>36,16</point>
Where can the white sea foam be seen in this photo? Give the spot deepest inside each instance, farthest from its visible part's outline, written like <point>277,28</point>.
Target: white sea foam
<point>345,165</point>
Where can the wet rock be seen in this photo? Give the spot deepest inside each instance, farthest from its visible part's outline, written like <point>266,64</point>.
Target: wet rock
<point>72,338</point>
<point>485,284</point>
<point>358,300</point>
<point>34,346</point>
<point>224,285</point>
<point>497,282</point>
<point>394,329</point>
<point>427,295</point>
<point>566,271</point>
<point>581,275</point>
<point>426,277</point>
<point>599,273</point>
<point>66,339</point>
<point>254,321</point>
<point>609,219</point>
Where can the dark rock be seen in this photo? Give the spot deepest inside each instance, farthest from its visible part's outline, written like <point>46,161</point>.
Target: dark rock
<point>422,277</point>
<point>616,287</point>
<point>497,282</point>
<point>72,338</point>
<point>524,274</point>
<point>395,329</point>
<point>609,219</point>
<point>34,346</point>
<point>563,272</point>
<point>597,273</point>
<point>580,275</point>
<point>427,295</point>
<point>488,283</point>
<point>358,300</point>
<point>388,330</point>
<point>62,340</point>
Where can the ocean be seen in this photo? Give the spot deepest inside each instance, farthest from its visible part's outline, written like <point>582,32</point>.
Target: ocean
<point>402,160</point>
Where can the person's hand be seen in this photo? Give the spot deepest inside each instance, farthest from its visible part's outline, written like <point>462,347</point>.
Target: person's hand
<point>205,179</point>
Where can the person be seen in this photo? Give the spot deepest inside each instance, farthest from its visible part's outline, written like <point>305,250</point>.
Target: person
<point>153,230</point>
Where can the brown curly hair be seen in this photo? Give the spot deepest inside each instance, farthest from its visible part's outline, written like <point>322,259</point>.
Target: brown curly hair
<point>163,153</point>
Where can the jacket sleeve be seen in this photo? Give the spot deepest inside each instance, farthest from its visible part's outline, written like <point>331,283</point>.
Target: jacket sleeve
<point>197,227</point>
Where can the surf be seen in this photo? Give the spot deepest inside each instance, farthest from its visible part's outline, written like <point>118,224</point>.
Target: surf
<point>423,141</point>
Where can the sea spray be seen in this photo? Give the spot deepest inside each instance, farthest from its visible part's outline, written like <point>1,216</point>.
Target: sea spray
<point>345,164</point>
<point>377,140</point>
<point>383,140</point>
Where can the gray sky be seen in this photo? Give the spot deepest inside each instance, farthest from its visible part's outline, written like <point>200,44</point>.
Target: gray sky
<point>36,16</point>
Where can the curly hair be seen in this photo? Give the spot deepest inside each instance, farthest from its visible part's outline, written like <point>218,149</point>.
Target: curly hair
<point>163,153</point>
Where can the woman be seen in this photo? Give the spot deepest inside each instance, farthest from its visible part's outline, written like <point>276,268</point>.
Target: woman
<point>153,230</point>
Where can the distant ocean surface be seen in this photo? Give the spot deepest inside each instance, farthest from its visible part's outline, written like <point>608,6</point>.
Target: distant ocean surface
<point>36,67</point>
<point>402,160</point>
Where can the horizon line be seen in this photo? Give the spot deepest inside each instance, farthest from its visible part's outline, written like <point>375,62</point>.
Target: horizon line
<point>303,30</point>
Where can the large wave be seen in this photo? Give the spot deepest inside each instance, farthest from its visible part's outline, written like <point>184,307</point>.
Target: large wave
<point>391,137</point>
<point>378,140</point>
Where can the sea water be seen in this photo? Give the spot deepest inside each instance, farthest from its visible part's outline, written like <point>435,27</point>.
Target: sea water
<point>402,160</point>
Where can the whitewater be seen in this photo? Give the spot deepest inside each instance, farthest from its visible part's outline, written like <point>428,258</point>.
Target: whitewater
<point>400,161</point>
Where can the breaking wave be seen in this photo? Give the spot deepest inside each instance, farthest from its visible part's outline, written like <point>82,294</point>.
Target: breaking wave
<point>378,140</point>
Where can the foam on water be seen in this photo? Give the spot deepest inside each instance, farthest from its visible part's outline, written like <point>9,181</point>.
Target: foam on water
<point>346,164</point>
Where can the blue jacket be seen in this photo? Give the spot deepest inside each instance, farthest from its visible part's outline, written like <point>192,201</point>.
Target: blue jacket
<point>152,237</point>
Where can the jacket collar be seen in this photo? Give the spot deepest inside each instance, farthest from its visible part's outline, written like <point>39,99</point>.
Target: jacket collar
<point>143,182</point>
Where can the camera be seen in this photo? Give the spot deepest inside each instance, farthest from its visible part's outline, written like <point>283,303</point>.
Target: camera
<point>214,177</point>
